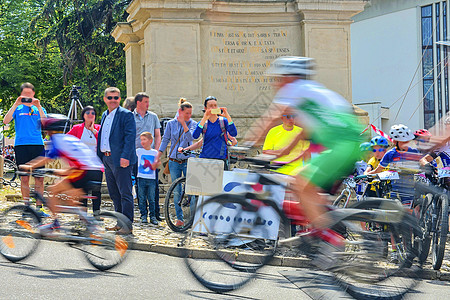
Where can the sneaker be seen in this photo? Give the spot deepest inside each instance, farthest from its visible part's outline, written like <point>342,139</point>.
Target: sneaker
<point>48,228</point>
<point>41,212</point>
<point>179,223</point>
<point>144,220</point>
<point>153,221</point>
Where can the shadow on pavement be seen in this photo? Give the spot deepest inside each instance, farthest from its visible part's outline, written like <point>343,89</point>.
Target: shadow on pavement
<point>212,295</point>
<point>37,272</point>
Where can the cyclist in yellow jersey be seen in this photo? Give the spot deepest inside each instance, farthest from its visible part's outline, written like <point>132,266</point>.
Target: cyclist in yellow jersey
<point>281,136</point>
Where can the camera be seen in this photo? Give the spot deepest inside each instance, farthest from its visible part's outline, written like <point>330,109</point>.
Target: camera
<point>75,91</point>
<point>216,111</point>
<point>27,100</point>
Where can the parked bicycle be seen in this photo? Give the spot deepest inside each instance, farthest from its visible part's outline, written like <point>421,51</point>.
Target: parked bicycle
<point>104,240</point>
<point>432,211</point>
<point>238,226</point>
<point>9,170</point>
<point>176,196</point>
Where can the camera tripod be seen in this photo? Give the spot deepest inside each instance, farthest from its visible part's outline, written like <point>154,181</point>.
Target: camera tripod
<point>73,110</point>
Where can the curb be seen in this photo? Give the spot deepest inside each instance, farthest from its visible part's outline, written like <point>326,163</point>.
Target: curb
<point>278,261</point>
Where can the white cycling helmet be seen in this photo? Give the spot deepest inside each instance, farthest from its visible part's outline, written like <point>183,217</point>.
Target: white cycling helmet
<point>292,65</point>
<point>401,133</point>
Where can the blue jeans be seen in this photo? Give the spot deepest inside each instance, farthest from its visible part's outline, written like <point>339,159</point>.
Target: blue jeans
<point>176,171</point>
<point>146,196</point>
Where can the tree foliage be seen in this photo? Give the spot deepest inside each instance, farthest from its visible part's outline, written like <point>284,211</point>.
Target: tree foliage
<point>55,44</point>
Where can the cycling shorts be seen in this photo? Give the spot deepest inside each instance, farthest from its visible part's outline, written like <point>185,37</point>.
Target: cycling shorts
<point>82,179</point>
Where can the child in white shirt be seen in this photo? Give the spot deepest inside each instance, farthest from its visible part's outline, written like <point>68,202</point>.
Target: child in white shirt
<point>146,178</point>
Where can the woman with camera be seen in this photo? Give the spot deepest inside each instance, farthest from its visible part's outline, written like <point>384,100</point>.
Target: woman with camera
<point>215,126</point>
<point>27,113</point>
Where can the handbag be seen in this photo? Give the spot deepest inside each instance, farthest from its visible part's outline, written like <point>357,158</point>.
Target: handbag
<point>166,168</point>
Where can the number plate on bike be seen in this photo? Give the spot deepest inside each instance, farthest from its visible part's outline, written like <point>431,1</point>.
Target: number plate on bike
<point>442,173</point>
<point>388,175</point>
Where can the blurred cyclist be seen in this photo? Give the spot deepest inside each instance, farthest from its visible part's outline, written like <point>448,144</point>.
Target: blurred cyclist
<point>327,119</point>
<point>85,166</point>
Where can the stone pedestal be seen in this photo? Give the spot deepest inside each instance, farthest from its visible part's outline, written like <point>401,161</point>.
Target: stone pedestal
<point>196,48</point>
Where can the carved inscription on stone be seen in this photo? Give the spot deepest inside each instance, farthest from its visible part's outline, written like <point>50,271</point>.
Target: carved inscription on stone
<point>240,56</point>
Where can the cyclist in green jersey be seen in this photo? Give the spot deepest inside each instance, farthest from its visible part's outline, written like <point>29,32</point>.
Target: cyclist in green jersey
<point>327,119</point>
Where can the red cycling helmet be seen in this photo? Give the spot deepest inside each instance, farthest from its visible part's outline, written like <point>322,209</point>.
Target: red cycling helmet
<point>422,133</point>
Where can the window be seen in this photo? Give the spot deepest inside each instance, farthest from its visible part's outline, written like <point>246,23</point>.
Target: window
<point>434,62</point>
<point>428,66</point>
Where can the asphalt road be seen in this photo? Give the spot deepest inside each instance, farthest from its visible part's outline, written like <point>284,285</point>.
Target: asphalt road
<point>57,271</point>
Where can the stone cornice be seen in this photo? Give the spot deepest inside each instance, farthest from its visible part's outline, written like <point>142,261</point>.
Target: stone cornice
<point>123,33</point>
<point>329,10</point>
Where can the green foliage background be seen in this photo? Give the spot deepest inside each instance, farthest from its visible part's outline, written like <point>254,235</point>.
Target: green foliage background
<point>55,44</point>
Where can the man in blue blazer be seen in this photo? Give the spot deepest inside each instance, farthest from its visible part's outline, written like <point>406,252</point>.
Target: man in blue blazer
<point>116,147</point>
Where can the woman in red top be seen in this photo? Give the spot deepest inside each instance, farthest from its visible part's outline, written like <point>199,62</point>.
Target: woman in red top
<point>87,132</point>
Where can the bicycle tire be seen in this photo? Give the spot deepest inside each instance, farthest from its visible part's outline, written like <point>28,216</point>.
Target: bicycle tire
<point>384,281</point>
<point>187,206</point>
<point>423,243</point>
<point>440,235</point>
<point>233,257</point>
<point>9,170</point>
<point>108,245</point>
<point>19,231</point>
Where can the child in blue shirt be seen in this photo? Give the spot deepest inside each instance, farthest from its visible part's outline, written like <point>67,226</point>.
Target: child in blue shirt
<point>401,156</point>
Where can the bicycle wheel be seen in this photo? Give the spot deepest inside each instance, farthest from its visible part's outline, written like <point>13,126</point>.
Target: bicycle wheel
<point>423,243</point>
<point>19,232</point>
<point>440,235</point>
<point>9,170</point>
<point>107,245</point>
<point>228,242</point>
<point>179,207</point>
<point>367,273</point>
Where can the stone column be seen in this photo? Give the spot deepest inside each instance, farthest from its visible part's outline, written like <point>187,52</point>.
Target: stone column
<point>325,29</point>
<point>123,32</point>
<point>133,68</point>
<point>172,60</point>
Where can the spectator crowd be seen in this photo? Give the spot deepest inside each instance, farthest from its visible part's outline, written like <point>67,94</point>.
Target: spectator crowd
<point>129,143</point>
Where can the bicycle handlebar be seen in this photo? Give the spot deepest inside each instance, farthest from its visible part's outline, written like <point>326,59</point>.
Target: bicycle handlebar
<point>36,172</point>
<point>189,152</point>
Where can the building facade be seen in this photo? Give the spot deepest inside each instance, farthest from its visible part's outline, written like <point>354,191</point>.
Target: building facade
<point>197,48</point>
<point>400,75</point>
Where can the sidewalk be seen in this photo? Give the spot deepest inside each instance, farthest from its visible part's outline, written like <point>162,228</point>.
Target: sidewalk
<point>161,239</point>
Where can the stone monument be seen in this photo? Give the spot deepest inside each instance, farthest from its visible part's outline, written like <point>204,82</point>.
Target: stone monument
<point>196,48</point>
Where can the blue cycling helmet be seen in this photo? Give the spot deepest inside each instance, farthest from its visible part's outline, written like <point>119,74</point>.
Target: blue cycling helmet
<point>366,146</point>
<point>379,141</point>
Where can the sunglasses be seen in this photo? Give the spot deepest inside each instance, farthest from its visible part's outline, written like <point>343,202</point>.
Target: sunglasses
<point>379,150</point>
<point>91,112</point>
<point>113,97</point>
<point>288,116</point>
